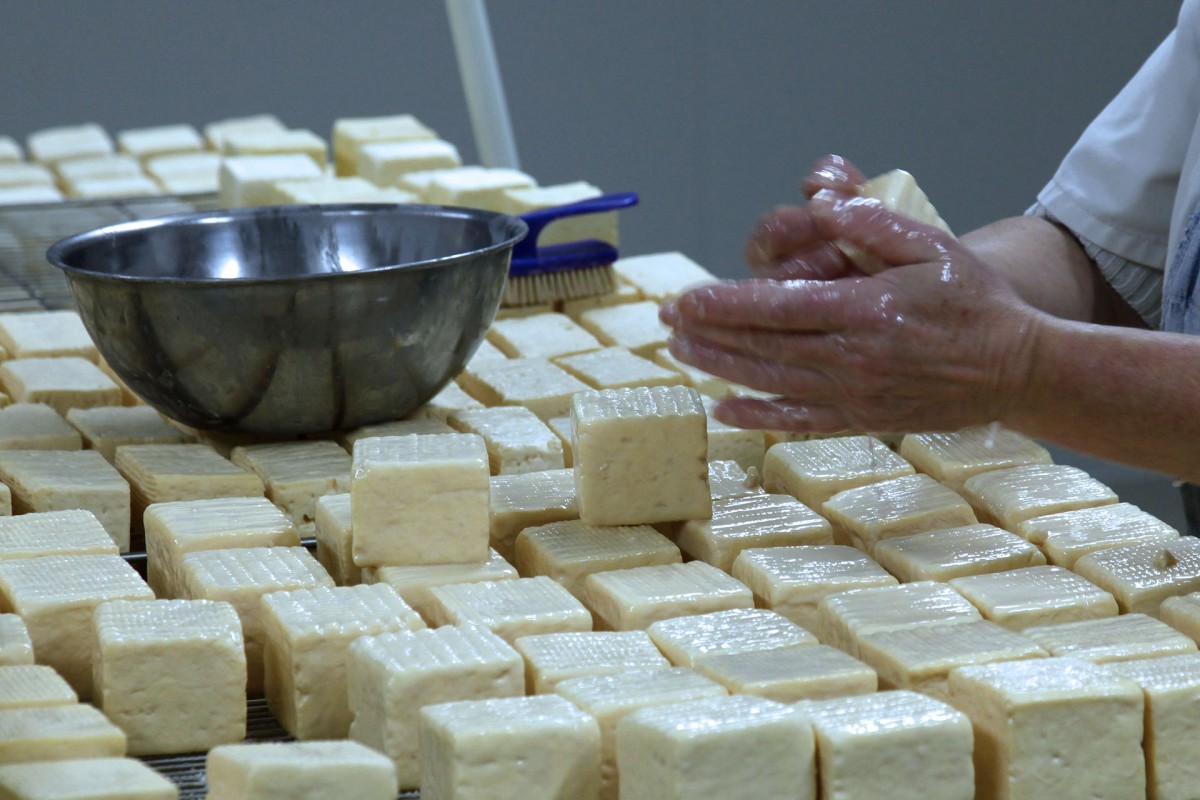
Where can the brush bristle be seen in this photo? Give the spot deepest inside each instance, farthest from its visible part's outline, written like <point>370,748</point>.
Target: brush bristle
<point>550,287</point>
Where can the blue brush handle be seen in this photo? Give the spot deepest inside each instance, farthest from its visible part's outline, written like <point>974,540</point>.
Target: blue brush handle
<point>529,259</point>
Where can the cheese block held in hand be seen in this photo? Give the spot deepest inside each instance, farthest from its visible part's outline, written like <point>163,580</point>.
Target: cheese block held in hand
<point>897,191</point>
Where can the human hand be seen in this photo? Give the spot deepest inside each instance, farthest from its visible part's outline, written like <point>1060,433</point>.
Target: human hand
<point>936,341</point>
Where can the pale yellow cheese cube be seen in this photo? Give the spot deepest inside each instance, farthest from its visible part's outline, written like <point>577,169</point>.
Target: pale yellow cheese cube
<point>382,163</point>
<point>194,183</point>
<point>1008,497</point>
<point>1068,535</point>
<point>57,733</point>
<point>814,471</point>
<point>391,677</point>
<point>36,426</point>
<point>158,140</point>
<point>414,583</point>
<point>26,195</point>
<point>83,169</point>
<point>940,555</point>
<point>621,293</point>
<point>793,580</point>
<point>242,576</point>
<point>570,550</point>
<point>43,533</point>
<point>56,597</point>
<point>705,383</point>
<point>790,673</point>
<point>728,443</point>
<point>509,608</point>
<point>551,658</point>
<point>85,779</point>
<point>562,429</point>
<point>335,542</point>
<point>56,480</point>
<point>51,145</point>
<point>350,134</point>
<point>475,189</point>
<point>634,326</point>
<point>263,143</point>
<point>721,747</point>
<point>1031,596</point>
<point>184,165</point>
<point>661,276</point>
<point>1142,576</point>
<point>729,479</point>
<point>62,383</point>
<point>199,645</point>
<point>247,180</point>
<point>106,428</point>
<point>843,619</point>
<point>308,632</point>
<point>898,744</point>
<point>752,521</point>
<point>262,770</point>
<point>867,515</point>
<point>895,191</point>
<point>399,427</point>
<point>295,474</point>
<point>641,455</point>
<point>951,458</point>
<point>16,647</point>
<point>1052,727</point>
<point>535,748</point>
<point>450,398</point>
<point>527,500</point>
<point>602,226</point>
<point>25,176</point>
<point>337,190</point>
<point>187,526</point>
<point>420,181</point>
<point>635,598</point>
<point>30,685</point>
<point>94,188</point>
<point>406,486</point>
<point>517,441</point>
<point>1121,638</point>
<point>617,368</point>
<point>687,639</point>
<point>542,387</point>
<point>1183,614</point>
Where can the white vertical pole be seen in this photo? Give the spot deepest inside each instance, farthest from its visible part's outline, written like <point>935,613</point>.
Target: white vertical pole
<point>480,75</point>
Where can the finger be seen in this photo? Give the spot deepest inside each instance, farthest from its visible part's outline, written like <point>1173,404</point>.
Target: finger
<point>867,223</point>
<point>782,305</point>
<point>784,347</point>
<point>824,262</point>
<point>785,231</point>
<point>833,172</point>
<point>767,376</point>
<point>782,414</point>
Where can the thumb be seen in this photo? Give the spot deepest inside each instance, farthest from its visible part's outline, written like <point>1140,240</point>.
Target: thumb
<point>867,225</point>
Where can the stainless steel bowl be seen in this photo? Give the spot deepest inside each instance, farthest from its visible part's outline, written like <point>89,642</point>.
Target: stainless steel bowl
<point>291,319</point>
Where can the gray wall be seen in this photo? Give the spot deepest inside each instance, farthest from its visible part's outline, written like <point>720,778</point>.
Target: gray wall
<point>711,109</point>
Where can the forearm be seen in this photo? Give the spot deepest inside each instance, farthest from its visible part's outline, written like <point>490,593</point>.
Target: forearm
<point>1049,269</point>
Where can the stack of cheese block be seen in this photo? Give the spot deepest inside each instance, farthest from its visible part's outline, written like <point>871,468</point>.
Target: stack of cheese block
<point>562,578</point>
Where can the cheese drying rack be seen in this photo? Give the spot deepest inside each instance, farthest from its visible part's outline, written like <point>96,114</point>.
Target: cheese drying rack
<point>29,283</point>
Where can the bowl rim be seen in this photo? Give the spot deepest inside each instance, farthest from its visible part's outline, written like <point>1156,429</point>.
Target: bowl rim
<point>56,252</point>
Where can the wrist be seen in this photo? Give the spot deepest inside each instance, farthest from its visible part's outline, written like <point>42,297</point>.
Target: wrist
<point>1029,371</point>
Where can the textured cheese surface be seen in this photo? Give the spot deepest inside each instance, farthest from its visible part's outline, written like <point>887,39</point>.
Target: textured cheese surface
<point>308,632</point>
<point>1121,638</point>
<point>1008,497</point>
<point>730,479</point>
<point>1032,596</point>
<point>789,674</point>
<point>523,501</point>
<point>551,658</point>
<point>382,163</point>
<point>85,778</point>
<point>633,599</point>
<point>895,507</point>
<point>400,427</point>
<point>536,383</point>
<point>197,643</point>
<point>540,336</point>
<point>351,133</point>
<point>16,647</point>
<point>1053,727</point>
<point>617,368</point>
<point>1068,535</point>
<point>479,188</point>
<point>246,180</point>
<point>634,326</point>
<point>52,733</point>
<point>896,744</point>
<point>451,398</point>
<point>36,426</point>
<point>921,658</point>
<point>661,276</point>
<point>720,747</point>
<point>164,472</point>
<point>794,580</point>
<point>28,685</point>
<point>641,455</point>
<point>263,770</point>
<point>941,555</point>
<point>414,583</point>
<point>50,145</point>
<point>69,532</point>
<point>510,608</point>
<point>843,618</point>
<point>754,520</point>
<point>509,747</point>
<point>105,428</point>
<point>517,441</point>
<point>335,545</point>
<point>54,480</point>
<point>1141,576</point>
<point>392,676</point>
<point>297,473</point>
<point>36,334</point>
<point>951,458</point>
<point>158,139</point>
<point>815,470</point>
<point>62,383</point>
<point>684,640</point>
<point>570,550</point>
<point>120,165</point>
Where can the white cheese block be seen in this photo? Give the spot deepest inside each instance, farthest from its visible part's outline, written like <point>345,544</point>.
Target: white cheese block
<point>334,537</point>
<point>25,176</point>
<point>634,326</point>
<point>51,145</point>
<point>844,618</point>
<point>105,428</point>
<point>570,550</point>
<point>55,733</point>
<point>295,474</point>
<point>16,647</point>
<point>509,608</point>
<point>707,384</point>
<point>517,441</point>
<point>601,226</point>
<point>36,426</point>
<point>399,427</point>
<point>44,533</point>
<point>451,398</point>
<point>246,180</point>
<point>1068,535</point>
<point>31,685</point>
<point>184,165</point>
<point>406,486</point>
<point>92,188</point>
<point>332,190</point>
<point>1121,638</point>
<point>198,644</point>
<point>264,143</point>
<point>523,501</point>
<point>1031,596</point>
<point>867,515</point>
<point>85,779</point>
<point>25,195</point>
<point>730,479</point>
<point>1142,576</point>
<point>951,458</point>
<point>55,480</point>
<point>197,183</point>
<point>420,181</point>
<point>535,748</point>
<point>392,676</point>
<point>143,143</point>
<point>83,169</point>
<point>263,770</point>
<point>896,191</point>
<point>617,368</point>
<point>536,383</point>
<point>751,521</point>
<point>789,674</point>
<point>794,580</point>
<point>350,134</point>
<point>941,555</point>
<point>1008,497</point>
<point>540,336</point>
<point>641,455</point>
<point>721,747</point>
<point>475,189</point>
<point>633,599</point>
<point>1053,727</point>
<point>414,583</point>
<point>62,382</point>
<point>308,632</point>
<point>661,276</point>
<point>382,163</point>
<point>814,471</point>
<point>898,744</point>
<point>685,640</point>
<point>921,658</point>
<point>551,658</point>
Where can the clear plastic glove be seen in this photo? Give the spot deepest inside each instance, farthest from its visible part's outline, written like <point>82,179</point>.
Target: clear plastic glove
<point>936,341</point>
